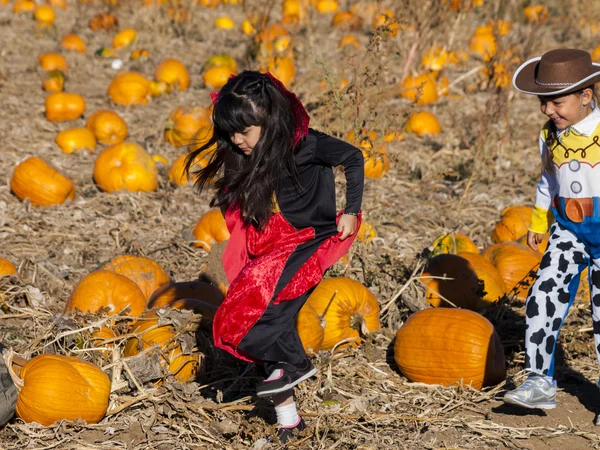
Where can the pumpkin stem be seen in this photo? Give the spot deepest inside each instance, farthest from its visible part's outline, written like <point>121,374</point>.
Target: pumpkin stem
<point>322,316</point>
<point>9,357</point>
<point>358,322</point>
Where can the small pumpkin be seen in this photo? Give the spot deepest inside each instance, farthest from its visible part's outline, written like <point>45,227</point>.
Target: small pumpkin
<point>76,140</point>
<point>536,13</point>
<point>221,60</point>
<point>215,77</point>
<point>310,331</point>
<point>44,15</point>
<point>183,123</point>
<point>514,223</point>
<point>388,22</point>
<point>55,387</point>
<point>64,106</point>
<point>420,88</point>
<point>453,243</point>
<point>348,309</point>
<point>41,183</point>
<point>349,41</point>
<point>104,337</point>
<point>20,6</point>
<point>282,68</point>
<point>366,232</point>
<point>107,126</point>
<point>224,23</point>
<point>139,53</point>
<point>210,229</point>
<point>377,163</point>
<point>73,42</point>
<point>106,289</point>
<point>130,88</point>
<point>7,269</point>
<point>422,123</point>
<point>125,166</point>
<point>347,20</point>
<point>167,294</point>
<point>53,61</point>
<point>145,272</point>
<point>54,81</point>
<point>103,21</point>
<point>483,43</point>
<point>124,38</point>
<point>327,6</point>
<point>448,346</point>
<point>173,72</point>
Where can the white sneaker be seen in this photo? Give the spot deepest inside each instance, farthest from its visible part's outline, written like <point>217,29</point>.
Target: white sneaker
<point>538,391</point>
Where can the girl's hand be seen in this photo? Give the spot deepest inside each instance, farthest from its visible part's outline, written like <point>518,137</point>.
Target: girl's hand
<point>347,225</point>
<point>533,239</point>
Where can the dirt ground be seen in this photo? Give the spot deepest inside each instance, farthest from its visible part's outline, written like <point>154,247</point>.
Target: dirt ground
<point>484,160</point>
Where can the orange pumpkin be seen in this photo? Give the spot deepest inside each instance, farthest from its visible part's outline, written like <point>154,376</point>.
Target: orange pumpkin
<point>349,41</point>
<point>41,183</point>
<point>55,387</point>
<point>44,15</point>
<point>146,273</point>
<point>53,61</point>
<point>184,367</point>
<point>449,346</point>
<point>542,246</point>
<point>348,309</point>
<point>308,325</point>
<point>103,21</point>
<point>483,43</point>
<point>514,223</point>
<point>53,81</point>
<point>74,43</point>
<point>183,123</point>
<point>63,106</point>
<point>107,126</point>
<point>516,264</point>
<point>105,289</point>
<point>388,22</point>
<point>420,88</point>
<point>491,283</point>
<point>7,269</point>
<point>366,232</point>
<point>377,163</point>
<point>453,243</point>
<point>104,337</point>
<point>76,140</point>
<point>282,68</point>
<point>210,229</point>
<point>20,6</point>
<point>215,77</point>
<point>422,123</point>
<point>173,72</point>
<point>125,166</point>
<point>130,88</point>
<point>536,13</point>
<point>124,38</point>
<point>347,20</point>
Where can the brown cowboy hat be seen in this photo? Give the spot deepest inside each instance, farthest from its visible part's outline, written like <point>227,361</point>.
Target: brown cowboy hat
<point>560,71</point>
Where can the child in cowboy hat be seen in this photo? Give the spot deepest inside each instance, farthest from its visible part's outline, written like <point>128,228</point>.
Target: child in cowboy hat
<point>567,204</point>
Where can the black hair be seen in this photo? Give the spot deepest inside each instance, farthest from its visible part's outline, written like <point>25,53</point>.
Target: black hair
<point>248,181</point>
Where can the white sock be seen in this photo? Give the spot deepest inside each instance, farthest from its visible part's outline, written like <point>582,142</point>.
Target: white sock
<point>287,415</point>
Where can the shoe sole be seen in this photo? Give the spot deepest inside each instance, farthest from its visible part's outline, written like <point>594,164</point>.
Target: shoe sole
<point>287,386</point>
<point>514,401</point>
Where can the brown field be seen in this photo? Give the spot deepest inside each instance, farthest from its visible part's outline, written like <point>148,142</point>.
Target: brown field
<point>458,181</point>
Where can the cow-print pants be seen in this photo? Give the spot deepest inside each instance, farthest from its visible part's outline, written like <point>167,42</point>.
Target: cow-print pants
<point>552,295</point>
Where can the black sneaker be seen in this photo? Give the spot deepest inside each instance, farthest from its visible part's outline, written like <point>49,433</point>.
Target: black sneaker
<point>284,377</point>
<point>285,433</point>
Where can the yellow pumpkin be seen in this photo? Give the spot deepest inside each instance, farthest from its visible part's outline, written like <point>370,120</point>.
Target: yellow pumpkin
<point>145,272</point>
<point>53,61</point>
<point>130,88</point>
<point>366,232</point>
<point>377,163</point>
<point>210,229</point>
<point>53,81</point>
<point>222,60</point>
<point>7,269</point>
<point>20,6</point>
<point>41,183</point>
<point>183,123</point>
<point>422,123</point>
<point>63,106</point>
<point>76,140</point>
<point>125,166</point>
<point>139,53</point>
<point>124,38</point>
<point>184,367</point>
<point>514,223</point>
<point>516,264</point>
<point>44,15</point>
<point>173,72</point>
<point>536,13</point>
<point>483,43</point>
<point>105,289</point>
<point>107,126</point>
<point>55,387</point>
<point>436,58</point>
<point>282,68</point>
<point>215,77</point>
<point>74,43</point>
<point>348,308</point>
<point>349,41</point>
<point>224,23</point>
<point>422,87</point>
<point>326,6</point>
<point>177,173</point>
<point>449,346</point>
<point>387,21</point>
<point>167,294</point>
<point>491,283</point>
<point>453,243</point>
<point>308,325</point>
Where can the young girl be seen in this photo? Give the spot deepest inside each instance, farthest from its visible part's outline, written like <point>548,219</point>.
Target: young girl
<point>275,184</point>
<point>569,193</point>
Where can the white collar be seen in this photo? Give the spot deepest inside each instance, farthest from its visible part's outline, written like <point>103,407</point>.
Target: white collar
<point>586,126</point>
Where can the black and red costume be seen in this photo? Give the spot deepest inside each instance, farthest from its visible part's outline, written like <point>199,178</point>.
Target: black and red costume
<point>273,271</point>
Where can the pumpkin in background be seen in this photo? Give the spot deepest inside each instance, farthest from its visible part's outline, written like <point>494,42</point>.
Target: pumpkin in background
<point>20,6</point>
<point>177,173</point>
<point>146,273</point>
<point>542,246</point>
<point>422,123</point>
<point>461,287</point>
<point>347,20</point>
<point>387,21</point>
<point>53,61</point>
<point>7,269</point>
<point>308,325</point>
<point>215,77</point>
<point>183,123</point>
<point>536,13</point>
<point>124,38</point>
<point>75,140</point>
<point>104,337</point>
<point>491,282</point>
<point>222,60</point>
<point>349,41</point>
<point>516,264</point>
<point>377,163</point>
<point>173,72</point>
<point>74,43</point>
<point>366,232</point>
<point>130,88</point>
<point>56,387</point>
<point>210,229</point>
<point>103,21</point>
<point>348,309</point>
<point>282,68</point>
<point>44,15</point>
<point>483,43</point>
<point>151,332</point>
<point>514,223</point>
<point>422,86</point>
<point>54,81</point>
<point>453,243</point>
<point>125,166</point>
<point>62,106</point>
<point>447,346</point>
<point>108,127</point>
<point>41,183</point>
<point>326,6</point>
<point>106,289</point>
<point>167,294</point>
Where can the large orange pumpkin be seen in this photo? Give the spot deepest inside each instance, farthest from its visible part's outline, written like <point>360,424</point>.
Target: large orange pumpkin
<point>130,88</point>
<point>183,123</point>
<point>41,183</point>
<point>145,272</point>
<point>210,229</point>
<point>125,166</point>
<point>453,243</point>
<point>106,289</point>
<point>348,308</point>
<point>61,106</point>
<point>448,346</point>
<point>177,173</point>
<point>173,72</point>
<point>491,283</point>
<point>308,325</point>
<point>56,387</point>
<point>108,127</point>
<point>514,223</point>
<point>75,140</point>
